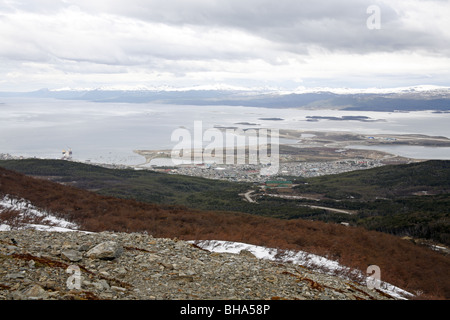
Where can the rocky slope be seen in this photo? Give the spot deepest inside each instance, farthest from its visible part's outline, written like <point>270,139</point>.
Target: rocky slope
<point>133,266</point>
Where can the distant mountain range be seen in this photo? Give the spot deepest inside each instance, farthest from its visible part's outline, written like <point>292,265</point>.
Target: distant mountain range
<point>398,99</point>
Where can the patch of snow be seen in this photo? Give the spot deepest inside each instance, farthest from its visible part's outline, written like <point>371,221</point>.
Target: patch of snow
<point>29,212</point>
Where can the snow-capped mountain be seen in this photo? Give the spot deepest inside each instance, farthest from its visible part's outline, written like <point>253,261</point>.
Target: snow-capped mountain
<point>428,89</point>
<point>422,97</point>
<point>266,89</point>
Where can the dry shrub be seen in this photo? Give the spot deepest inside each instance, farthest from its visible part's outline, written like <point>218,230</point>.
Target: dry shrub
<point>11,218</point>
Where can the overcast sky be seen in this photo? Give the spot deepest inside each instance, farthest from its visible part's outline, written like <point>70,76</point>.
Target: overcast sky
<point>251,43</point>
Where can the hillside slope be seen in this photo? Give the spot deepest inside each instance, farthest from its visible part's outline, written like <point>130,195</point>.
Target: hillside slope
<point>141,267</point>
<point>395,181</point>
<point>146,186</point>
<point>408,266</point>
<point>405,200</point>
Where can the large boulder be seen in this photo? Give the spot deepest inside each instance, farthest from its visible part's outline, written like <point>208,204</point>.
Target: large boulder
<point>108,250</point>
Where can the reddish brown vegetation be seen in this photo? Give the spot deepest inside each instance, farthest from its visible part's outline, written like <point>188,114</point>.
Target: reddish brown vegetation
<point>402,263</point>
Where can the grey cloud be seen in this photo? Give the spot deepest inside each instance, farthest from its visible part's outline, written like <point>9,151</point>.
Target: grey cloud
<point>188,36</point>
<point>290,24</point>
<point>113,40</point>
<point>333,25</point>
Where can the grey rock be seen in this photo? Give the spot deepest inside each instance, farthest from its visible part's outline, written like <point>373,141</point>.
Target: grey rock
<point>83,247</point>
<point>18,275</point>
<point>101,285</point>
<point>12,248</point>
<point>108,250</point>
<point>35,292</point>
<point>120,289</point>
<point>72,255</point>
<point>247,253</point>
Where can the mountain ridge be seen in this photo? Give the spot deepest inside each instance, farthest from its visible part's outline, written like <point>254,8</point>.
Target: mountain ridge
<point>375,99</point>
